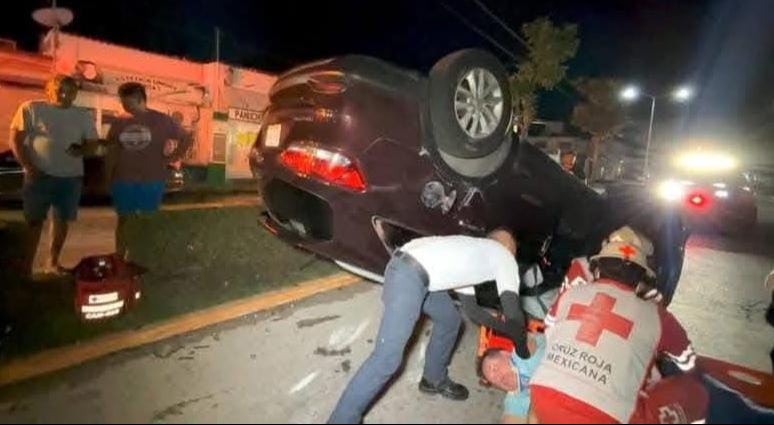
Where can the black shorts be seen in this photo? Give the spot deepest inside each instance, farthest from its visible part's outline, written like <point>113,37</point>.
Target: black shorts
<point>43,192</point>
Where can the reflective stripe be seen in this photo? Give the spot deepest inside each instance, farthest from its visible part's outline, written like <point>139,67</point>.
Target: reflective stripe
<point>685,356</point>
<point>102,308</point>
<point>688,365</point>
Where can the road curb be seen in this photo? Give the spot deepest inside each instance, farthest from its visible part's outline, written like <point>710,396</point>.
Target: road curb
<point>211,205</point>
<point>67,357</point>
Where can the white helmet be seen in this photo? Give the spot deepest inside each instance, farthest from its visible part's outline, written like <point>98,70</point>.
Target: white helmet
<point>628,245</point>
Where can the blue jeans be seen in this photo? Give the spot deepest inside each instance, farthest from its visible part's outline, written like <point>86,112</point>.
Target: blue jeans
<point>405,297</point>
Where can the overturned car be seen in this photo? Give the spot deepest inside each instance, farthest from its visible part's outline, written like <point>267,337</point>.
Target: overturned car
<point>357,157</point>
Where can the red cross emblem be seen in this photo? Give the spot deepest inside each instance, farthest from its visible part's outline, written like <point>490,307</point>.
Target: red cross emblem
<point>598,318</point>
<point>628,251</point>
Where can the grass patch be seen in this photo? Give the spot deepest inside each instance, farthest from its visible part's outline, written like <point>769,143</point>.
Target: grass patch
<point>203,196</point>
<point>197,259</point>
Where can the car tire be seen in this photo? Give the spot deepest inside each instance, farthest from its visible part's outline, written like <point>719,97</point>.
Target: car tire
<point>470,105</point>
<point>479,168</point>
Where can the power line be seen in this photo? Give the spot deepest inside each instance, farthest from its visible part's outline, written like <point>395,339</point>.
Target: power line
<point>518,37</point>
<point>502,23</point>
<point>491,39</point>
<point>479,31</point>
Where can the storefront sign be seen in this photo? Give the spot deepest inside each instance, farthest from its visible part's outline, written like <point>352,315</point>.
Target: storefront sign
<point>245,115</point>
<point>105,80</point>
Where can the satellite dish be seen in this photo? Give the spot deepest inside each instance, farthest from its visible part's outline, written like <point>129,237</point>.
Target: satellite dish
<point>52,17</point>
<point>234,76</point>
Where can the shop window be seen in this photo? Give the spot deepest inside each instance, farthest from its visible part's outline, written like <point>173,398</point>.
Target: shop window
<point>219,148</point>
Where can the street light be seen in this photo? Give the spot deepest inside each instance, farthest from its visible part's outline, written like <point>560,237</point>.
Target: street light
<point>682,94</point>
<point>631,94</point>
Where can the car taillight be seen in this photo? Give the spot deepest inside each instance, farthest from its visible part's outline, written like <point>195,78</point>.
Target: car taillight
<point>331,167</point>
<point>698,200</point>
<point>328,83</point>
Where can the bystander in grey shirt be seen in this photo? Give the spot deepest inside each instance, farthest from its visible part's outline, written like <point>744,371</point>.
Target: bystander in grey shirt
<point>50,130</point>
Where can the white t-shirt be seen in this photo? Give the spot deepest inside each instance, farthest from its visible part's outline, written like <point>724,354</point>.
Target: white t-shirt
<point>461,263</point>
<point>50,131</point>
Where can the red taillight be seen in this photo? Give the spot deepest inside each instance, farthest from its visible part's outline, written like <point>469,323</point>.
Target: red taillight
<point>328,83</point>
<point>698,200</point>
<point>330,167</point>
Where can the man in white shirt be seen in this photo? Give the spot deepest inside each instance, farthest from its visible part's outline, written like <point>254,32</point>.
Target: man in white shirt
<point>49,139</point>
<point>418,279</point>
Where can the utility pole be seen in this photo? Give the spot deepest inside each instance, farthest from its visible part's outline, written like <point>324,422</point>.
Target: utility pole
<point>217,68</point>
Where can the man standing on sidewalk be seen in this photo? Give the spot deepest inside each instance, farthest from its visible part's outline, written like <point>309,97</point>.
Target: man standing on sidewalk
<point>48,139</point>
<point>142,145</point>
<point>418,279</point>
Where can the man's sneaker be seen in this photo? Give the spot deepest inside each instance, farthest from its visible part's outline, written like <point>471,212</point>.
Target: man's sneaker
<point>447,388</point>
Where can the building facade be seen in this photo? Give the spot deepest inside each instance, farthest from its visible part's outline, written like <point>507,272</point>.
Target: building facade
<point>220,105</point>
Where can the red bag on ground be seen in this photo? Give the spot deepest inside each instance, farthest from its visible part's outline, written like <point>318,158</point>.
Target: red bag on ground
<point>106,287</point>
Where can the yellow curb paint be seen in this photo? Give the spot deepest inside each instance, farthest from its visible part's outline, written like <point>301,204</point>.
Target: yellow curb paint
<point>66,357</point>
<point>211,205</point>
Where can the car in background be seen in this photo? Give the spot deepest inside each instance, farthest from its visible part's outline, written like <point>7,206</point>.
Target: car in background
<point>358,156</point>
<point>711,191</point>
<point>96,184</point>
<point>763,181</point>
<point>11,176</point>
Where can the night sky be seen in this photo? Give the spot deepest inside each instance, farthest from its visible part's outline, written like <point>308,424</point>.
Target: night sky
<point>725,48</point>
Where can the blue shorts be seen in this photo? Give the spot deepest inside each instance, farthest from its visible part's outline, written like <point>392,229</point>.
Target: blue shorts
<point>43,192</point>
<point>135,198</point>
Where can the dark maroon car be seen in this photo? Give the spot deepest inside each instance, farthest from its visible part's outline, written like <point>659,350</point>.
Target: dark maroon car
<point>358,156</point>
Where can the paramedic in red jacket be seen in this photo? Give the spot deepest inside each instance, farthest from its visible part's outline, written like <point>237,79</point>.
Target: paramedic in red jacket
<point>603,343</point>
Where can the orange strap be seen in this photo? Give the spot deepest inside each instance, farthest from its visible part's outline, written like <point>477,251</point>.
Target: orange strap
<point>490,340</point>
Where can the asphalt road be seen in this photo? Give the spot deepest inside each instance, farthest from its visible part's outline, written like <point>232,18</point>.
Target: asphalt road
<point>290,365</point>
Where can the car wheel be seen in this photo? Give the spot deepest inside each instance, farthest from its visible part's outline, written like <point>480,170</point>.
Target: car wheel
<point>470,105</point>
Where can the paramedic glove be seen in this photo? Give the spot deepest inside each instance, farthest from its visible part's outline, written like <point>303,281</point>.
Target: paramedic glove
<point>482,317</point>
<point>516,322</point>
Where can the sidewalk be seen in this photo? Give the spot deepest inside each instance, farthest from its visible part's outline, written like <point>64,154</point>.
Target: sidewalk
<point>196,259</point>
<point>94,232</point>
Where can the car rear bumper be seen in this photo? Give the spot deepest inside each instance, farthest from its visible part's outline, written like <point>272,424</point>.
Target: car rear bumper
<point>723,214</point>
<point>324,220</point>
<point>298,212</point>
